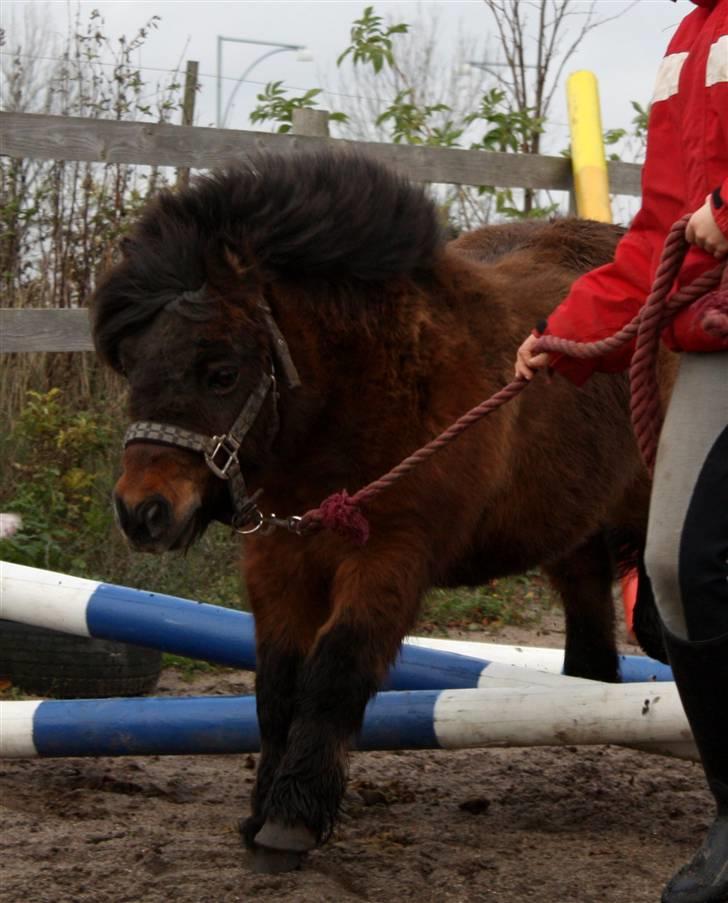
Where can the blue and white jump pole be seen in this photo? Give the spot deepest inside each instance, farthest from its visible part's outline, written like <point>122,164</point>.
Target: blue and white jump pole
<point>212,633</point>
<point>644,715</point>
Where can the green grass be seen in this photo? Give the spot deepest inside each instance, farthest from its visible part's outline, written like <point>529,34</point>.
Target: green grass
<point>9,692</point>
<point>518,600</point>
<point>189,668</point>
<point>208,572</point>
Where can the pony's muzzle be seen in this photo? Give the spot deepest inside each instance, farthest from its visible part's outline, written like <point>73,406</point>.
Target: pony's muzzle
<point>146,523</point>
<point>158,498</point>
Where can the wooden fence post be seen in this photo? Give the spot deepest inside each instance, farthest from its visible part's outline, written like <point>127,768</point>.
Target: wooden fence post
<point>313,123</point>
<point>188,113</point>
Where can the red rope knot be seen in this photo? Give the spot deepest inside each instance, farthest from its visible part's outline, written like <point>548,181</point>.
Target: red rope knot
<point>714,310</point>
<point>342,514</point>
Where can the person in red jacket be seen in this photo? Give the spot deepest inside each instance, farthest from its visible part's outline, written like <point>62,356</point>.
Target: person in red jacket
<point>685,172</point>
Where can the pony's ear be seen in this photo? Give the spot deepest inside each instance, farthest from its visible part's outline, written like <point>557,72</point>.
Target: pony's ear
<point>240,268</point>
<point>235,275</point>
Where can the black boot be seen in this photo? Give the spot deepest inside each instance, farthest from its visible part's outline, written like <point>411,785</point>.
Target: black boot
<point>701,674</point>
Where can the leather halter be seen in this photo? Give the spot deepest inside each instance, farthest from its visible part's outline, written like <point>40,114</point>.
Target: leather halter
<point>221,452</point>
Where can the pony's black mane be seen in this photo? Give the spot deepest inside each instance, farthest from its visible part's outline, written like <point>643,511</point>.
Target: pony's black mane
<point>327,215</point>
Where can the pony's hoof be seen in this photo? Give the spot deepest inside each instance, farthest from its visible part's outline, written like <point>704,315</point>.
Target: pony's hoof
<point>295,838</point>
<point>248,827</point>
<point>274,847</point>
<point>267,861</point>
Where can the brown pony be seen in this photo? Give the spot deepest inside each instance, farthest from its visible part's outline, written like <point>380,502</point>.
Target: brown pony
<point>319,286</point>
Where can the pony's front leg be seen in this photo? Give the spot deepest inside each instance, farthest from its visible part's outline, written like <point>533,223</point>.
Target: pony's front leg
<point>375,600</point>
<point>277,671</point>
<point>288,613</point>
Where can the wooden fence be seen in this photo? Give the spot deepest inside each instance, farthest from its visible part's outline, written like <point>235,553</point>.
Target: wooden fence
<point>42,137</point>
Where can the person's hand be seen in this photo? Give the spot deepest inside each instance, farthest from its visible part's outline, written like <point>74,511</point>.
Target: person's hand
<point>703,231</point>
<point>527,363</point>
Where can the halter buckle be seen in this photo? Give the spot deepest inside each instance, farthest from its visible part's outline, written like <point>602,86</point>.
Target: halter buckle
<point>227,444</point>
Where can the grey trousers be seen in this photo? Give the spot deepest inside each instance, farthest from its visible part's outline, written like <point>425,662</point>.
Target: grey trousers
<point>687,539</point>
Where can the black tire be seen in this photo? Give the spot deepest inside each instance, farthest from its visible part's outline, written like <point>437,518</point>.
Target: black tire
<point>44,662</point>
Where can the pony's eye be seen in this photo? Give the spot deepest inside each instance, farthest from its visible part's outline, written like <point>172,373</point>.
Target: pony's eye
<point>223,380</point>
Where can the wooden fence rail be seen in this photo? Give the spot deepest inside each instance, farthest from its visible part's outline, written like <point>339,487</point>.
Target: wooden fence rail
<point>42,137</point>
<point>107,141</point>
<point>44,329</point>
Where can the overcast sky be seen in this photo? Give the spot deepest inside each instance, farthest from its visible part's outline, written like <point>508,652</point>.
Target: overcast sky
<point>624,53</point>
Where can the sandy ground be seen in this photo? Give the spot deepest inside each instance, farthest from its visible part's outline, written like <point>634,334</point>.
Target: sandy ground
<point>553,825</point>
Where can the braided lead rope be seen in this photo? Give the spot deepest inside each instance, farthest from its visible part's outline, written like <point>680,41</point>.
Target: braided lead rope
<point>342,512</point>
<point>646,408</point>
<point>714,309</point>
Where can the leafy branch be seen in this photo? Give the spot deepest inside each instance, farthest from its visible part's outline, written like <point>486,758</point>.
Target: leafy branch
<point>371,42</point>
<point>409,122</point>
<point>275,105</point>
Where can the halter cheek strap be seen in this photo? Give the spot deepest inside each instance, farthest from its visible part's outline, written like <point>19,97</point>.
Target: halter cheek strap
<point>280,348</point>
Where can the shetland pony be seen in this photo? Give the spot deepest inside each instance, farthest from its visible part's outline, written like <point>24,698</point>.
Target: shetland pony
<point>316,294</point>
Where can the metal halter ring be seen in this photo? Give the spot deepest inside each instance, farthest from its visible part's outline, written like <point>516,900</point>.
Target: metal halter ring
<point>258,518</point>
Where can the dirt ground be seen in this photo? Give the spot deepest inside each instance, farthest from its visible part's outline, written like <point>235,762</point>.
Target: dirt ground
<point>553,825</point>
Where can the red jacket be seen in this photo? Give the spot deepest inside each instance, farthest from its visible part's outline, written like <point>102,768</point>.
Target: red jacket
<point>687,159</point>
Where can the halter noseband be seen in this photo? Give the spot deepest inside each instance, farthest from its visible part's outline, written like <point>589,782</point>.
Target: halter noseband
<point>221,452</point>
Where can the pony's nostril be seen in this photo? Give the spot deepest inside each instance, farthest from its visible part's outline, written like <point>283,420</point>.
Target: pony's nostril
<point>145,523</point>
<point>153,516</point>
<point>151,512</point>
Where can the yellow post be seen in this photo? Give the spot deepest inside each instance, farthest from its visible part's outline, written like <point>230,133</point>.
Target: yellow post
<point>591,184</point>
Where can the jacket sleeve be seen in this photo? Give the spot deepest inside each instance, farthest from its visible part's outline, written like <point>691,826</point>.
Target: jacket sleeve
<point>605,300</point>
<point>686,331</point>
<point>602,302</point>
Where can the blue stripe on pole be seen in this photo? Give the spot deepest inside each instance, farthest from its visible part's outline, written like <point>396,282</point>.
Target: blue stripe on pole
<point>226,636</point>
<point>207,725</point>
<point>194,629</point>
<point>419,668</point>
<point>639,669</point>
<point>146,727</point>
<point>404,720</point>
